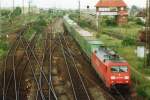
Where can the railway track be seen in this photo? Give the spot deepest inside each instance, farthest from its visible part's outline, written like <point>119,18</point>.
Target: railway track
<point>17,81</point>
<point>47,61</point>
<point>43,77</point>
<point>31,77</point>
<point>79,88</point>
<point>16,71</point>
<point>8,73</point>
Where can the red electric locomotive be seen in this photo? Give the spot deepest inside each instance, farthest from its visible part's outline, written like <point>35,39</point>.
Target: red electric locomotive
<point>111,68</point>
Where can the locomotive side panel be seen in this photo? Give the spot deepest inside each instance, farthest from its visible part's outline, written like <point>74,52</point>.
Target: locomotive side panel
<point>101,69</point>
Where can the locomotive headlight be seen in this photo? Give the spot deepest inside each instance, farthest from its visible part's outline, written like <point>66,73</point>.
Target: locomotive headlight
<point>126,77</point>
<point>112,77</point>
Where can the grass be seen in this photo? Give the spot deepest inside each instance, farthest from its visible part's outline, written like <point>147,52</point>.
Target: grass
<point>3,46</point>
<point>125,31</point>
<point>128,52</point>
<point>7,27</point>
<point>17,23</point>
<point>130,30</point>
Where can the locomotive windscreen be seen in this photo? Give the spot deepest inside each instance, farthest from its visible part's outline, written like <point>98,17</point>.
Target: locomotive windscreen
<point>118,69</point>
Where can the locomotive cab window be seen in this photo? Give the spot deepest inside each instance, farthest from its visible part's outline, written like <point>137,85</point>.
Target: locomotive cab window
<point>117,69</point>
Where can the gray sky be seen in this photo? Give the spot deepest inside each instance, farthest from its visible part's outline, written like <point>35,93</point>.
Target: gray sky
<point>65,3</point>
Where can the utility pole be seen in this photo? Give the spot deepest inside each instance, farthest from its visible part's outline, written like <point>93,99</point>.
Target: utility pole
<point>79,12</point>
<point>98,21</point>
<point>0,5</point>
<point>23,12</point>
<point>23,6</point>
<point>148,32</point>
<point>0,18</point>
<point>29,6</point>
<point>13,5</point>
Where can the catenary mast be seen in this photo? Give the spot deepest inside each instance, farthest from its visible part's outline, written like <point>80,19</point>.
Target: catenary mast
<point>148,31</point>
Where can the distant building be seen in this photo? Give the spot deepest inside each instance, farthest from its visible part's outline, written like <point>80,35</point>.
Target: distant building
<point>117,8</point>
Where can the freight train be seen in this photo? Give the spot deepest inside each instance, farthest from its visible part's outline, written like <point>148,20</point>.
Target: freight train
<point>110,67</point>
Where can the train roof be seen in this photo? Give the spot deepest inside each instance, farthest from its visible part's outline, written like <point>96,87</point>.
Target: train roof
<point>107,54</point>
<point>84,32</point>
<point>95,42</point>
<point>69,21</point>
<point>81,31</point>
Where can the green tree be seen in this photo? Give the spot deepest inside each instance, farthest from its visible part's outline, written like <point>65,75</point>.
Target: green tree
<point>5,13</point>
<point>134,10</point>
<point>40,24</point>
<point>139,21</point>
<point>16,12</point>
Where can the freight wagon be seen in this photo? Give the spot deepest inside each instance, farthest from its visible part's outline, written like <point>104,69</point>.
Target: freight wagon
<point>85,39</point>
<point>110,67</point>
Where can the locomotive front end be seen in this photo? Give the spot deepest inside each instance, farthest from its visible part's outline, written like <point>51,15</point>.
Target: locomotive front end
<point>120,75</point>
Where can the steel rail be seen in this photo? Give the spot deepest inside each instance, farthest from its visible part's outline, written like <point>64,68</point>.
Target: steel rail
<point>50,50</point>
<point>48,53</point>
<point>31,67</point>
<point>67,65</point>
<point>39,66</point>
<point>32,41</point>
<point>36,59</point>
<point>5,66</point>
<point>13,68</point>
<point>84,94</point>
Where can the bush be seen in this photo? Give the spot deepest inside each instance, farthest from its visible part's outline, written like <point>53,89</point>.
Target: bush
<point>16,12</point>
<point>131,18</point>
<point>128,42</point>
<point>39,24</point>
<point>126,26</point>
<point>144,90</point>
<point>110,22</point>
<point>3,46</point>
<point>84,23</point>
<point>139,21</point>
<point>97,35</point>
<point>5,13</point>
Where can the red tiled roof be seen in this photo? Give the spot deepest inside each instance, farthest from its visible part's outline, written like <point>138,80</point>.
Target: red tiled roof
<point>111,3</point>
